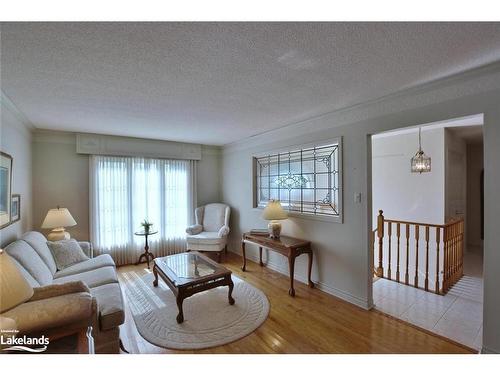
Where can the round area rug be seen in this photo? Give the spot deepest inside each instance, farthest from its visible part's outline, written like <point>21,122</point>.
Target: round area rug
<point>209,320</point>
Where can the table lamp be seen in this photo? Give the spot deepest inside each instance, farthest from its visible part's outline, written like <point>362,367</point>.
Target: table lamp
<point>274,212</point>
<point>14,289</point>
<point>57,219</point>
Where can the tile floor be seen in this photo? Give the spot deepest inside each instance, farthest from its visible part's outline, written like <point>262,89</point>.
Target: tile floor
<point>457,315</point>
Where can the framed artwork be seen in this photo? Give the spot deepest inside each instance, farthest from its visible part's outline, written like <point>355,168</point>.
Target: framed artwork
<point>15,208</point>
<point>5,188</point>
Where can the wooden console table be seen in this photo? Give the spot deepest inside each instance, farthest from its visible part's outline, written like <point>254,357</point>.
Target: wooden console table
<point>287,246</point>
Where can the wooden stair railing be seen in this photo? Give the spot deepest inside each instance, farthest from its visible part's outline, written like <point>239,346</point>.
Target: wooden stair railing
<point>448,237</point>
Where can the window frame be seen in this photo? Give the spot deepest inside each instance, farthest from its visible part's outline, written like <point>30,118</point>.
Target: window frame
<point>294,148</point>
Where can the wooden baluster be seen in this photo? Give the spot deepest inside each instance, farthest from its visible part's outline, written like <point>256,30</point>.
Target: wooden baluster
<point>454,255</point>
<point>438,240</point>
<point>407,277</point>
<point>417,235</point>
<point>462,249</point>
<point>446,274</point>
<point>426,283</point>
<point>372,249</point>
<point>389,234</point>
<point>380,234</point>
<point>398,233</point>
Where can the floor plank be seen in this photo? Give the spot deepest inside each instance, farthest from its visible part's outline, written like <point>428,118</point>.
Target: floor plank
<point>312,322</point>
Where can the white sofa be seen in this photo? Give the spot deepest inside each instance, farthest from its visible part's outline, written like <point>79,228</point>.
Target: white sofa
<point>211,229</point>
<point>34,259</point>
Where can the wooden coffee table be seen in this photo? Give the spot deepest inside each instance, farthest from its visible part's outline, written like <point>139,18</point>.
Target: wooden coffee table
<point>190,273</point>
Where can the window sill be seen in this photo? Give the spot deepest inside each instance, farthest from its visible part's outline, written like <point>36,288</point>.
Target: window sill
<point>305,216</point>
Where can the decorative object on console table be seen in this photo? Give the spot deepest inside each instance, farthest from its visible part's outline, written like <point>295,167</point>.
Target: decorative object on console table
<point>57,219</point>
<point>15,208</point>
<point>146,254</point>
<point>259,232</point>
<point>287,246</point>
<point>5,188</point>
<point>274,212</point>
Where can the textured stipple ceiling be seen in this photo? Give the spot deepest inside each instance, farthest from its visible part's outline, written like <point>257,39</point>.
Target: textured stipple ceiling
<point>216,83</point>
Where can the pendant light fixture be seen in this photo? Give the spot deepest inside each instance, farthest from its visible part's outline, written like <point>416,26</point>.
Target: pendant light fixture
<point>420,162</point>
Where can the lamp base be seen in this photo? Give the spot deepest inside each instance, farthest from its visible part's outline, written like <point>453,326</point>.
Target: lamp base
<point>274,229</point>
<point>58,234</point>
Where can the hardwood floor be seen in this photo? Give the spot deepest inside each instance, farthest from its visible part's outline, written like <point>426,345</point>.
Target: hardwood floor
<point>312,322</point>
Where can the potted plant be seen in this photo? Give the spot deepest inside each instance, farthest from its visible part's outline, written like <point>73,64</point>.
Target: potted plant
<point>146,225</point>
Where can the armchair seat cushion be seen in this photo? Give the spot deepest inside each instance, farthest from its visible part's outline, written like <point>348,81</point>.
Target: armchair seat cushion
<point>110,305</point>
<point>206,241</point>
<point>93,278</point>
<point>205,238</point>
<point>99,261</point>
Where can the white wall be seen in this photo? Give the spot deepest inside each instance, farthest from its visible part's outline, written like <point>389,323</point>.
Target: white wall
<point>15,140</point>
<point>61,177</point>
<point>401,194</point>
<point>455,177</point>
<point>342,257</point>
<point>474,167</point>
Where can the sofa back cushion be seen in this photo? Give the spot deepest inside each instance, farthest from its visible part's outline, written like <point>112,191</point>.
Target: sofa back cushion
<point>39,243</point>
<point>26,274</point>
<point>214,217</point>
<point>29,259</point>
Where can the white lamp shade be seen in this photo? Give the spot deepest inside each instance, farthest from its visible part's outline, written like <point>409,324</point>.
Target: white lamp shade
<point>274,211</point>
<point>58,218</point>
<point>14,289</point>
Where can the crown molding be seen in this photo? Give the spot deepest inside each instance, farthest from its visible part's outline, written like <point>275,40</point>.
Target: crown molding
<point>470,82</point>
<point>9,104</point>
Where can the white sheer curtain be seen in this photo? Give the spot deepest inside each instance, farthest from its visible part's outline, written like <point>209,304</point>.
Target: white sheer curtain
<point>127,190</point>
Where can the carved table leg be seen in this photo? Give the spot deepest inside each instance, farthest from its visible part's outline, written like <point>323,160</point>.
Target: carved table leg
<point>180,316</point>
<point>260,256</point>
<point>291,264</point>
<point>230,292</point>
<point>155,272</point>
<point>311,284</point>
<point>243,268</point>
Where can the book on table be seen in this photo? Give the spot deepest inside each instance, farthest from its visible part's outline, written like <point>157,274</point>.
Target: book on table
<point>259,232</point>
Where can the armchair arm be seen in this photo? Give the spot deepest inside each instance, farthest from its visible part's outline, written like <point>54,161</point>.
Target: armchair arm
<point>87,248</point>
<point>194,229</point>
<point>224,231</point>
<point>56,290</point>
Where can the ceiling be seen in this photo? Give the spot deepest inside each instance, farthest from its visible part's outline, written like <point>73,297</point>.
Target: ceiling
<point>216,83</point>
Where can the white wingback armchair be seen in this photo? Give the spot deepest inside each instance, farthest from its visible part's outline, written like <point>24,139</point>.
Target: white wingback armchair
<point>211,228</point>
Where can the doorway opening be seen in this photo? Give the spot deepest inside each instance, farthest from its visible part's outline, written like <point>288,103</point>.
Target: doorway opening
<point>427,235</point>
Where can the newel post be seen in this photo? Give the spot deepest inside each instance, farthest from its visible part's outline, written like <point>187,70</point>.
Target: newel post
<point>380,234</point>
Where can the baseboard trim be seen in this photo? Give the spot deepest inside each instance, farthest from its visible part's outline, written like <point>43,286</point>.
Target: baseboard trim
<point>345,296</point>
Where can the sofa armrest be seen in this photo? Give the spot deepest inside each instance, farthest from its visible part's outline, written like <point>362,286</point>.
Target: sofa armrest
<point>69,311</point>
<point>87,248</point>
<point>55,290</point>
<point>224,231</point>
<point>194,229</point>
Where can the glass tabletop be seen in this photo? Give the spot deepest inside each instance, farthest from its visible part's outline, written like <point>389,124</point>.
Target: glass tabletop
<point>188,265</point>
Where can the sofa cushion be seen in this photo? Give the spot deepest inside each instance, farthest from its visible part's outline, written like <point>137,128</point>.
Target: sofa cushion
<point>26,274</point>
<point>110,305</point>
<point>99,261</point>
<point>67,253</point>
<point>27,257</point>
<point>93,278</point>
<point>214,216</point>
<point>39,243</point>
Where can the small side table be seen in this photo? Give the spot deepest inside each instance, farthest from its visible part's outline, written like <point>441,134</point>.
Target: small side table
<point>146,254</point>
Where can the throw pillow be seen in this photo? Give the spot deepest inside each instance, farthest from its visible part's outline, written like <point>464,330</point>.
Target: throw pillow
<point>66,253</point>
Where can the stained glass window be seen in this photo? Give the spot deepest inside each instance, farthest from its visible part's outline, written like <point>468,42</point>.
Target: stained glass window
<point>305,180</point>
